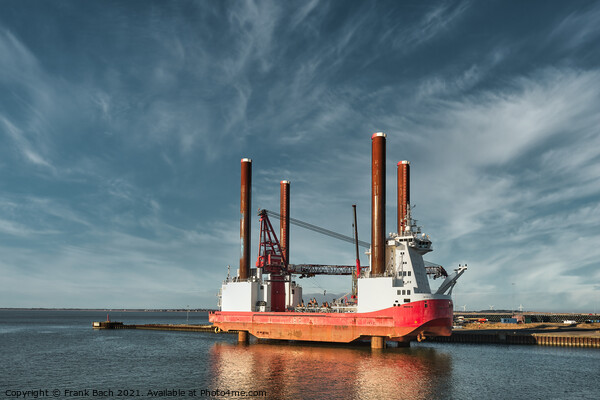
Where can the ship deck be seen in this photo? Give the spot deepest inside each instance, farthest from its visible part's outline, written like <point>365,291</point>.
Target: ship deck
<point>402,323</point>
<point>326,310</point>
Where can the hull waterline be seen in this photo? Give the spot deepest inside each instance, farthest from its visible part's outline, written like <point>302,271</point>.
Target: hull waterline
<point>403,323</point>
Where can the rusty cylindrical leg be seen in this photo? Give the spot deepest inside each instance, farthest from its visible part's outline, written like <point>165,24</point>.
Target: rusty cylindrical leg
<point>377,342</point>
<point>242,337</point>
<point>245,204</point>
<point>378,204</point>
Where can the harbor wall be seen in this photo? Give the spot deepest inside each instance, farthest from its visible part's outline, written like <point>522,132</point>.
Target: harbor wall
<point>565,340</point>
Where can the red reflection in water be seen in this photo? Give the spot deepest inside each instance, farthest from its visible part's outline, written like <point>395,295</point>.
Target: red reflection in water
<point>298,371</point>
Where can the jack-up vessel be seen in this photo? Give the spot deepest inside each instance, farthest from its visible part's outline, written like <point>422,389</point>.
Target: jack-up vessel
<point>393,300</point>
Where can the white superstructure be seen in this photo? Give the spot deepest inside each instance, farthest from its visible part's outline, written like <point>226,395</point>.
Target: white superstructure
<point>405,279</point>
<point>255,294</point>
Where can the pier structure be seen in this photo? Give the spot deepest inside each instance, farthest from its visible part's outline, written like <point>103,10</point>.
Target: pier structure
<point>523,336</point>
<point>577,337</point>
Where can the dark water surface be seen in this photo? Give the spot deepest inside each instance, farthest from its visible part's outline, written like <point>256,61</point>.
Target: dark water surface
<point>46,351</point>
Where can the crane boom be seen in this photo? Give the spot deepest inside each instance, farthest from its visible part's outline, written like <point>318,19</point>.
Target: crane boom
<point>318,229</point>
<point>308,270</point>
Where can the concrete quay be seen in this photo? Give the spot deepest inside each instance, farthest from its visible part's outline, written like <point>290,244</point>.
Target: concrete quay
<point>581,335</point>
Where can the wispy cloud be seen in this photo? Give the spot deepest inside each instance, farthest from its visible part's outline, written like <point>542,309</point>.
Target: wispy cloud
<point>304,11</point>
<point>254,23</point>
<point>578,28</point>
<point>434,22</point>
<point>460,81</point>
<point>502,134</point>
<point>509,170</point>
<point>17,61</point>
<point>15,229</point>
<point>23,145</point>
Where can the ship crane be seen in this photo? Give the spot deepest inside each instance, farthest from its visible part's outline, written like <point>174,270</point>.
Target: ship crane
<point>271,255</point>
<point>309,270</point>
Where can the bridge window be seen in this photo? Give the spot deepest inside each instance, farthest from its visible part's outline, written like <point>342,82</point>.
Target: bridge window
<point>408,292</point>
<point>408,273</point>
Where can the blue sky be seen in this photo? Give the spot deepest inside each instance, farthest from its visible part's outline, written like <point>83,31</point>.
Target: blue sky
<point>122,125</point>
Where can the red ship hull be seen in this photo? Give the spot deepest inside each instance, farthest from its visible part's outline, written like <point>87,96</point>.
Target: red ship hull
<point>403,323</point>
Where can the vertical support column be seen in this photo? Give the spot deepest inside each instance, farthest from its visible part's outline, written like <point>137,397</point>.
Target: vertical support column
<point>378,204</point>
<point>245,204</point>
<point>242,337</point>
<point>284,223</point>
<point>403,195</point>
<point>378,215</point>
<point>377,342</point>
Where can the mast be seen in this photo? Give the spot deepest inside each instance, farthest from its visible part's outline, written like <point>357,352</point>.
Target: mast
<point>357,273</point>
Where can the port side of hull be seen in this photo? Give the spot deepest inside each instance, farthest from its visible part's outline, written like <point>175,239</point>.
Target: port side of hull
<point>402,323</point>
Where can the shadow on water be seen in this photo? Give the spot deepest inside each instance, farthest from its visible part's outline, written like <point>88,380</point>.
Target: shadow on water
<point>294,370</point>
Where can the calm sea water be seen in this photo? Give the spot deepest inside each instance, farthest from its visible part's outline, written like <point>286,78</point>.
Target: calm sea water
<point>56,354</point>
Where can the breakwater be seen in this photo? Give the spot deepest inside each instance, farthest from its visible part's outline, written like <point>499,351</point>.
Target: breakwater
<point>158,327</point>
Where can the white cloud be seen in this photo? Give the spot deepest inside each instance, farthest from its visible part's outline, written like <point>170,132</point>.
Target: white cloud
<point>23,144</point>
<point>577,28</point>
<point>515,169</point>
<point>436,21</point>
<point>304,11</point>
<point>16,61</point>
<point>254,24</point>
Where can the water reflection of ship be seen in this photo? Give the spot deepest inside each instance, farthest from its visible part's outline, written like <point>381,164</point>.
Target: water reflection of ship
<point>311,371</point>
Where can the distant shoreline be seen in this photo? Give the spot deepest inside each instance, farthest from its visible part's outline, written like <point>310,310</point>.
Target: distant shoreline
<point>108,309</point>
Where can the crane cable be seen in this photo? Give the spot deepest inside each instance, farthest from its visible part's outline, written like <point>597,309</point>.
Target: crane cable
<point>318,229</point>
